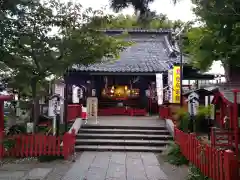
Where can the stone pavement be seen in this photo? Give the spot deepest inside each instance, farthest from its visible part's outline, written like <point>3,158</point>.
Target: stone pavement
<point>116,166</point>
<point>33,170</point>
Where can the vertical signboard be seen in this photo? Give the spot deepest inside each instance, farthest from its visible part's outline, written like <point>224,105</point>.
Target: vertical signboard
<point>159,83</point>
<point>75,98</point>
<point>193,103</point>
<point>58,88</point>
<point>170,85</point>
<point>176,84</point>
<point>92,107</point>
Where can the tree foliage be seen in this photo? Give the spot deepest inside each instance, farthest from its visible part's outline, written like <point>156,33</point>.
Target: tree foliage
<point>218,38</point>
<point>158,21</point>
<point>43,39</point>
<point>140,6</point>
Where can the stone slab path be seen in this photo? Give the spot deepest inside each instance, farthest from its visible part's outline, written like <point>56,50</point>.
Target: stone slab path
<point>33,170</point>
<point>116,166</point>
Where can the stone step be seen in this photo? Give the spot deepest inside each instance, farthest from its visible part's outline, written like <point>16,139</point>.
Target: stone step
<point>124,131</point>
<point>121,142</point>
<point>96,126</point>
<point>123,136</point>
<point>119,148</point>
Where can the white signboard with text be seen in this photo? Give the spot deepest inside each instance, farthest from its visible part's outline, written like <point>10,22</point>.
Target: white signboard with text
<point>75,98</point>
<point>159,84</point>
<point>92,107</point>
<point>58,89</point>
<point>193,103</point>
<point>170,85</point>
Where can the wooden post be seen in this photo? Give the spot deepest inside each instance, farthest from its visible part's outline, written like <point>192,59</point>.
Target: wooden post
<point>1,129</point>
<point>1,116</point>
<point>65,115</point>
<point>235,120</point>
<point>213,140</point>
<point>230,165</point>
<point>231,126</point>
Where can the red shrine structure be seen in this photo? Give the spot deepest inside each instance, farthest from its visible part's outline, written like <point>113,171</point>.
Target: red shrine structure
<point>127,86</point>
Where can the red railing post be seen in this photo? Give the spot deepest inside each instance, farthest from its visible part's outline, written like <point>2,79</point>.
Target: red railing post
<point>1,144</point>
<point>65,145</point>
<point>73,136</point>
<point>213,138</point>
<point>213,163</point>
<point>230,165</point>
<point>69,143</point>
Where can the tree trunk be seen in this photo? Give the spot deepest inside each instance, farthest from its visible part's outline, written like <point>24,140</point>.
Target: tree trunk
<point>232,74</point>
<point>35,104</point>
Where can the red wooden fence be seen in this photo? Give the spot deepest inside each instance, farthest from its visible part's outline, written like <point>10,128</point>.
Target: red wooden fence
<point>34,145</point>
<point>74,111</point>
<point>216,164</point>
<point>221,138</point>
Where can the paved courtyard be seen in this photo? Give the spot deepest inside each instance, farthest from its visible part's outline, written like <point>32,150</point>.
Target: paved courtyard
<point>116,166</point>
<point>33,170</point>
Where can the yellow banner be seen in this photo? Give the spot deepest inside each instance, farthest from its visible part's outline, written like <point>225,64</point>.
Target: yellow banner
<point>176,84</point>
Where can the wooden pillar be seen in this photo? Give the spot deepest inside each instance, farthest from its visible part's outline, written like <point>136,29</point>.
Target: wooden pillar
<point>235,120</point>
<point>221,113</point>
<point>1,129</point>
<point>1,116</point>
<point>230,165</point>
<point>230,126</point>
<point>65,115</point>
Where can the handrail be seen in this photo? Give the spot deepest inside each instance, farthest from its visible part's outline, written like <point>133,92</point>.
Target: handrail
<point>76,125</point>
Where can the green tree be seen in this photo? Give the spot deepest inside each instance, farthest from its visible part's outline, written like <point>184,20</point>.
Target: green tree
<point>218,36</point>
<point>140,6</point>
<point>158,21</point>
<point>47,39</point>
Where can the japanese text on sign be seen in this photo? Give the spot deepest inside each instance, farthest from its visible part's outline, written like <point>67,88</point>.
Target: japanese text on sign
<point>176,84</point>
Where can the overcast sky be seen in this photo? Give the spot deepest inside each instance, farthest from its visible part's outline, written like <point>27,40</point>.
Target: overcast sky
<point>181,10</point>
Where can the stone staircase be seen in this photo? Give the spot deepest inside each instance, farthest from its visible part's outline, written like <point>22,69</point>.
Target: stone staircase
<point>122,138</point>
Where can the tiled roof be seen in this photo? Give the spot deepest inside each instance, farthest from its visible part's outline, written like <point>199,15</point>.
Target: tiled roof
<point>150,52</point>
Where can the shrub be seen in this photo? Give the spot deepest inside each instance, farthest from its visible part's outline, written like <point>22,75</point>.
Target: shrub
<point>201,122</point>
<point>184,120</point>
<point>196,174</point>
<point>9,143</point>
<point>15,129</point>
<point>174,155</point>
<point>49,158</point>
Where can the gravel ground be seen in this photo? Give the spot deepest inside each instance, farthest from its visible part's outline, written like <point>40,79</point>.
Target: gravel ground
<point>173,172</point>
